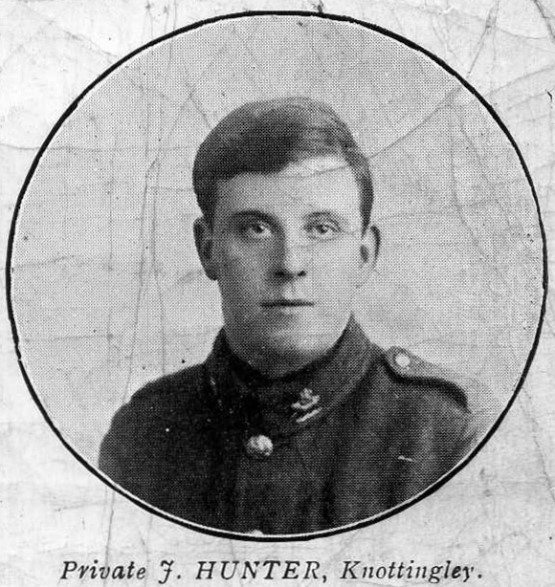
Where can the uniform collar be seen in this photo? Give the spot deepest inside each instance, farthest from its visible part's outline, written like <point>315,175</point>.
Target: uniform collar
<point>280,407</point>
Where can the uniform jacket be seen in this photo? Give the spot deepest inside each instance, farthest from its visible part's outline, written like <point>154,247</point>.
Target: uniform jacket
<point>345,439</point>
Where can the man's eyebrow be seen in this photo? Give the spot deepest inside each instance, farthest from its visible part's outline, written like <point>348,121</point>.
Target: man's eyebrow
<point>252,213</point>
<point>333,214</point>
<point>311,216</point>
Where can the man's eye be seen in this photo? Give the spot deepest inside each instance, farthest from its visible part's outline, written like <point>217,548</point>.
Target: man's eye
<point>323,230</point>
<point>256,230</point>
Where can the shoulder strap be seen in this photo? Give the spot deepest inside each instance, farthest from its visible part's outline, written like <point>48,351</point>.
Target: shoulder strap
<point>406,365</point>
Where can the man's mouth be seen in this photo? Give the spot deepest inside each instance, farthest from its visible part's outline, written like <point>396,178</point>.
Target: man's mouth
<point>287,303</point>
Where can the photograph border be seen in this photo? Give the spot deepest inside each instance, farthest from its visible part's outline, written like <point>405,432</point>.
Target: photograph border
<point>73,106</point>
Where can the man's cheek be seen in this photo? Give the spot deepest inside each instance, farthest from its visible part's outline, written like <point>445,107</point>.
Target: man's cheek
<point>246,261</point>
<point>336,289</point>
<point>336,272</point>
<point>339,259</point>
<point>238,269</point>
<point>244,279</point>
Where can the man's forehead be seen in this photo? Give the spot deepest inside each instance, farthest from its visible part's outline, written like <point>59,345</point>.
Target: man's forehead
<point>310,184</point>
<point>314,166</point>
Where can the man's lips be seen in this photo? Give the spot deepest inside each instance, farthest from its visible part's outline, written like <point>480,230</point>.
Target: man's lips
<point>286,303</point>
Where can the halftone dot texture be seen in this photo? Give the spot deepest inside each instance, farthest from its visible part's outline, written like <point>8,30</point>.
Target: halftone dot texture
<point>108,292</point>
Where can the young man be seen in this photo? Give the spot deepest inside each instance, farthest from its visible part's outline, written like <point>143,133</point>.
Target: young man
<point>296,422</point>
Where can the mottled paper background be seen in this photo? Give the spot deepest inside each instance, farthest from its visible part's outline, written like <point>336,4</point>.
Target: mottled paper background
<point>497,514</point>
<point>107,289</point>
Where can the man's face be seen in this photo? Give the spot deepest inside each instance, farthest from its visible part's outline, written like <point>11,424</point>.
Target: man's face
<point>288,253</point>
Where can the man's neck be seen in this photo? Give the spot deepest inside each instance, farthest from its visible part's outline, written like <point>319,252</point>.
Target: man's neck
<point>275,365</point>
<point>278,367</point>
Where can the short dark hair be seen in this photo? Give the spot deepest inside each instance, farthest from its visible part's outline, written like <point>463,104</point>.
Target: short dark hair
<point>266,136</point>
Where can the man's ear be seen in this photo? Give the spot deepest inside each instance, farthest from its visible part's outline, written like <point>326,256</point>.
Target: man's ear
<point>204,241</point>
<point>369,249</point>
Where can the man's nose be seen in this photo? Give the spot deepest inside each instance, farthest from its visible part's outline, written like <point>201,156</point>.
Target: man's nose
<point>292,259</point>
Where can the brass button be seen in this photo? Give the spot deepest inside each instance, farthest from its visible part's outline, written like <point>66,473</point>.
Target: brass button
<point>402,360</point>
<point>259,446</point>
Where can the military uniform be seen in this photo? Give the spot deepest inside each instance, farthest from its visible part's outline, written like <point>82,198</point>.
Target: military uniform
<point>345,439</point>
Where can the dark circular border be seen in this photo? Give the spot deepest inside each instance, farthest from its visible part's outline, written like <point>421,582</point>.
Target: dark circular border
<point>291,537</point>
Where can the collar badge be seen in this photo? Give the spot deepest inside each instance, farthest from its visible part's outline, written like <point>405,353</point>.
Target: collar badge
<point>307,405</point>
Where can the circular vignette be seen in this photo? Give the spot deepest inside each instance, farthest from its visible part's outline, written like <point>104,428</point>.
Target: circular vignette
<point>234,17</point>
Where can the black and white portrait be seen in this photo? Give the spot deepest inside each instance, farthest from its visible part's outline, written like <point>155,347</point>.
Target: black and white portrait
<point>277,275</point>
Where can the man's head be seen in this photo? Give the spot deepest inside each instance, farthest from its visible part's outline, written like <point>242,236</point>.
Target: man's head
<point>264,137</point>
<point>286,196</point>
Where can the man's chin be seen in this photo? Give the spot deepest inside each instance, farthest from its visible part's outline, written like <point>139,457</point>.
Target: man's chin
<point>298,348</point>
<point>280,346</point>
